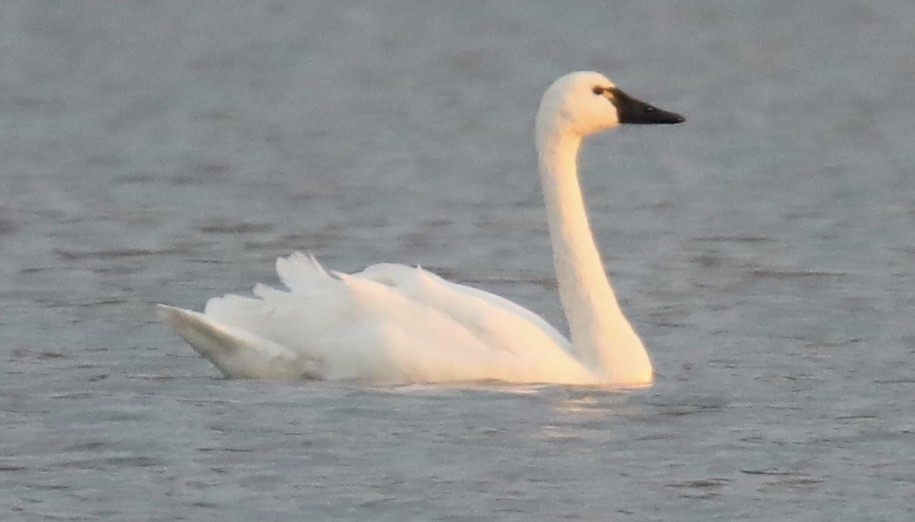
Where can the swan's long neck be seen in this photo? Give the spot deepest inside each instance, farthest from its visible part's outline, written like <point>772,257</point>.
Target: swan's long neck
<point>601,336</point>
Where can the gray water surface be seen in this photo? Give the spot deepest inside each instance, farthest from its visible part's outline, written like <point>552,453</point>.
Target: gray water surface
<point>155,151</point>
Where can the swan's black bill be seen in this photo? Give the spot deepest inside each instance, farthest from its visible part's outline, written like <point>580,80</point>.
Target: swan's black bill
<point>631,110</point>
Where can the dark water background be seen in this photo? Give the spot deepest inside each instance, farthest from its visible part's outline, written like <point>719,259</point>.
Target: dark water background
<point>155,151</point>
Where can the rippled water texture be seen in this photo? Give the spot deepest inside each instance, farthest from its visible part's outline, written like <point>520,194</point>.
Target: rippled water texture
<point>155,151</point>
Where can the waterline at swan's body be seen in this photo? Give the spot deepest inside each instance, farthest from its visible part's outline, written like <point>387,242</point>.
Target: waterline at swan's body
<point>396,324</point>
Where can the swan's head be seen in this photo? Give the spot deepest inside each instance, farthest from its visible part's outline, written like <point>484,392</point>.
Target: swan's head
<point>583,103</point>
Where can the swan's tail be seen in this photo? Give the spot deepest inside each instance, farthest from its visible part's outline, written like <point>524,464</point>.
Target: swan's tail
<point>237,353</point>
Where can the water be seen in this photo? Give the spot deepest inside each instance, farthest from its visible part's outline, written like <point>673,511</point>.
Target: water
<point>169,151</point>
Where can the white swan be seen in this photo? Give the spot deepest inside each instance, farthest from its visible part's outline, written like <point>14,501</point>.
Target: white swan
<point>395,324</point>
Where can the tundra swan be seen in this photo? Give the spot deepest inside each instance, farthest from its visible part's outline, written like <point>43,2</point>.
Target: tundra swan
<point>392,324</point>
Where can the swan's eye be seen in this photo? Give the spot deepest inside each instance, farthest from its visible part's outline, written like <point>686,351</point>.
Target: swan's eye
<point>598,90</point>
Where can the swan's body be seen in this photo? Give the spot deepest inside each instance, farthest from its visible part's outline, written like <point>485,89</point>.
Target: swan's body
<point>396,324</point>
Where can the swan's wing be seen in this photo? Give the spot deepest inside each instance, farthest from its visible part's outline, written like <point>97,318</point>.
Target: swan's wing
<point>512,308</point>
<point>345,327</point>
<point>542,353</point>
<point>352,327</point>
<point>303,274</point>
<point>496,320</point>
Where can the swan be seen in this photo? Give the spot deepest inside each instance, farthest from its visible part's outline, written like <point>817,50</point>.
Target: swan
<point>394,324</point>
